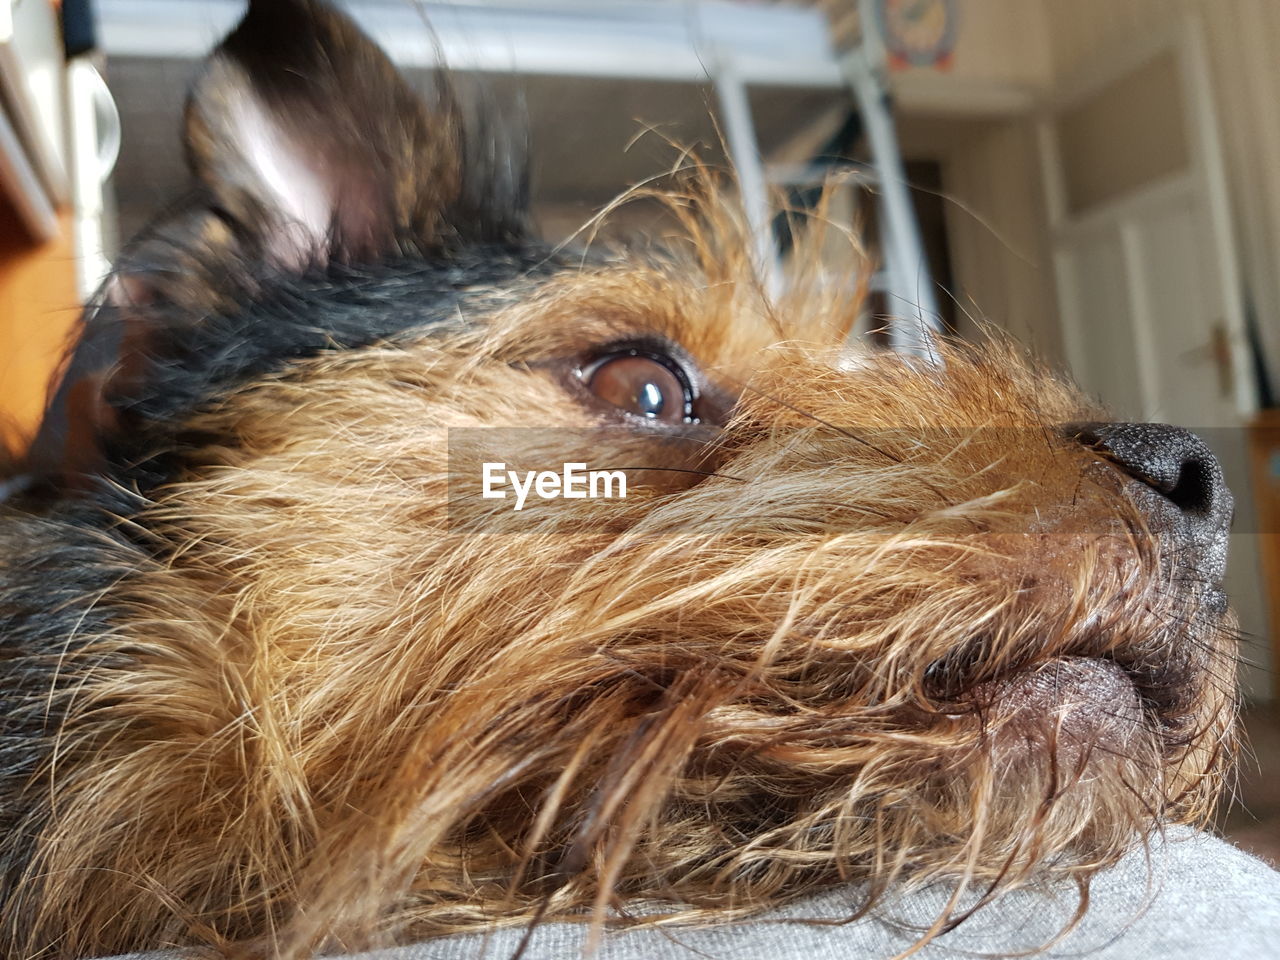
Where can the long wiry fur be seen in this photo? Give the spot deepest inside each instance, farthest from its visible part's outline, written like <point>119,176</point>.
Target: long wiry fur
<point>327,712</point>
<point>300,688</point>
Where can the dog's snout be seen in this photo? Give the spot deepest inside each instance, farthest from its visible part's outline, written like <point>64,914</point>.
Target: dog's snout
<point>1179,467</point>
<point>1170,460</point>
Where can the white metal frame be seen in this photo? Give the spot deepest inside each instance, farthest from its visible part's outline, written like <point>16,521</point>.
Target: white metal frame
<point>671,40</point>
<point>744,148</point>
<point>905,276</point>
<point>908,279</point>
<point>94,132</point>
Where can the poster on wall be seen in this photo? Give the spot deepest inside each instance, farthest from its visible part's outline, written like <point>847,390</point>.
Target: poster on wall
<point>918,33</point>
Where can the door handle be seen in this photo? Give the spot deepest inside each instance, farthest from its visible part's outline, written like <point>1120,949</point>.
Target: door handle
<point>1218,350</point>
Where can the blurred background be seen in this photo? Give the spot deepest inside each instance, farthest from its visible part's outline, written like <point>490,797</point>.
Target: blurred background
<point>1098,177</point>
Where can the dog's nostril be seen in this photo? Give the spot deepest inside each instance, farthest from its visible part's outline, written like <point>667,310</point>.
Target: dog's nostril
<point>1193,491</point>
<point>1170,460</point>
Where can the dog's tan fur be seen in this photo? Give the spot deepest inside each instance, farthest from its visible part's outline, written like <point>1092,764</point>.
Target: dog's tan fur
<point>849,635</point>
<point>342,721</point>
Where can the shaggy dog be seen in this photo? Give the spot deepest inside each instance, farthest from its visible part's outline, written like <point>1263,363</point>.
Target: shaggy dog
<point>283,673</point>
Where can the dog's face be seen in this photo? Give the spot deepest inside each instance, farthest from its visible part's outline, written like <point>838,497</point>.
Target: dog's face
<point>857,616</point>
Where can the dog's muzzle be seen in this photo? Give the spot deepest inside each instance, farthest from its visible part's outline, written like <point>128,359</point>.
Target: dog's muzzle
<point>1180,486</point>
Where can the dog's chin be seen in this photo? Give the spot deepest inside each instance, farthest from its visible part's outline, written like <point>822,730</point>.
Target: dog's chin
<point>1074,706</point>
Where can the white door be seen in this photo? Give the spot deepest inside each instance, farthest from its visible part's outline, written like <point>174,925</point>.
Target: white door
<point>1144,255</point>
<point>1145,259</point>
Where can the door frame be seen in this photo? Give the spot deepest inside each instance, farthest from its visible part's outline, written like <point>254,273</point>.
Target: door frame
<point>1206,171</point>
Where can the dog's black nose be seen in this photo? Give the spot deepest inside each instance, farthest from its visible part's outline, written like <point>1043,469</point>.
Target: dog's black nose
<point>1170,460</point>
<point>1194,503</point>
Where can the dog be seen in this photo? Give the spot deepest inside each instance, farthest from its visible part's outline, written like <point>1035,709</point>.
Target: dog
<point>286,670</point>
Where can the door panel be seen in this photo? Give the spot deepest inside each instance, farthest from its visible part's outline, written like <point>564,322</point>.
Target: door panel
<point>1183,317</point>
<point>1179,293</point>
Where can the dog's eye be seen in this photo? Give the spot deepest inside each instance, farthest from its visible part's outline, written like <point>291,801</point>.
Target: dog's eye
<point>646,385</point>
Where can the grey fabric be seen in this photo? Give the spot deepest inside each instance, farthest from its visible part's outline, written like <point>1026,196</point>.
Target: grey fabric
<point>1201,899</point>
<point>1194,897</point>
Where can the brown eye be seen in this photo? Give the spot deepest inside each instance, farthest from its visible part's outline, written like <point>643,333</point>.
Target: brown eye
<point>646,386</point>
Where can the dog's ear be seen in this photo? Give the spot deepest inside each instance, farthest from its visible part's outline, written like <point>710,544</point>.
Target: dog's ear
<point>309,150</point>
<point>311,143</point>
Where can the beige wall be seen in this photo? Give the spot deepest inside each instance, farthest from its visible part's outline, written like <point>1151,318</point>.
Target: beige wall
<point>1001,61</point>
<point>996,225</point>
<point>975,117</point>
